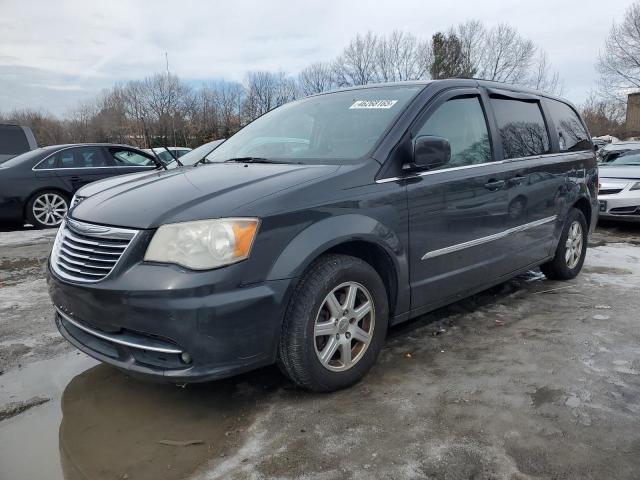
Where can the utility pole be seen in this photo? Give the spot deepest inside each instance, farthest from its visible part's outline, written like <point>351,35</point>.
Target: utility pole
<point>173,125</point>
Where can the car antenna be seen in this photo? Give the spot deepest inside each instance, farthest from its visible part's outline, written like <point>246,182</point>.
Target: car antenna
<point>159,162</point>
<point>174,157</point>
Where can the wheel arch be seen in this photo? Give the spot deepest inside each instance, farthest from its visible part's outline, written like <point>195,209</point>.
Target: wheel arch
<point>584,206</point>
<point>361,237</point>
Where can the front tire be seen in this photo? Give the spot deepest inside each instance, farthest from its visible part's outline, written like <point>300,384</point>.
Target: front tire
<point>47,209</point>
<point>571,250</point>
<point>335,324</point>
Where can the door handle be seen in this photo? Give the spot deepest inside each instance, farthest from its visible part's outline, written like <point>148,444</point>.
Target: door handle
<point>494,184</point>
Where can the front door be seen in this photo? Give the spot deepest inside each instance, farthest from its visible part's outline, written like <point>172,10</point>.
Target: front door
<point>130,161</point>
<point>457,212</point>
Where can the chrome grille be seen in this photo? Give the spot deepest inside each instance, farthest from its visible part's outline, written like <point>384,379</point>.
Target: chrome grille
<point>84,252</point>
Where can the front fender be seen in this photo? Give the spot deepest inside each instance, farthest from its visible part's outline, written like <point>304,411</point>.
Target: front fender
<point>330,232</point>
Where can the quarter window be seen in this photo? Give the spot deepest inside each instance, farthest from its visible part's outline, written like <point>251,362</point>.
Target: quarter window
<point>522,128</point>
<point>572,135</point>
<point>462,122</point>
<point>85,157</point>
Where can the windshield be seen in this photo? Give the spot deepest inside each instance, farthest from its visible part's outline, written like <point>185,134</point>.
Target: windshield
<point>628,159</point>
<point>197,154</point>
<point>336,127</point>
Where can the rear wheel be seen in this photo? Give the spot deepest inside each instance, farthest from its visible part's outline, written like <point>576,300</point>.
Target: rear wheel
<point>335,324</point>
<point>47,209</point>
<point>571,250</point>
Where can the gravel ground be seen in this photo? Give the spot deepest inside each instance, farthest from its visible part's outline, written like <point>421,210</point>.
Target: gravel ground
<point>533,379</point>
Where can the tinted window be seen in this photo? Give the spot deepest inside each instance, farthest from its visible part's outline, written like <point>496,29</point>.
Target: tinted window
<point>522,128</point>
<point>129,158</point>
<point>332,127</point>
<point>571,133</point>
<point>462,122</point>
<point>85,157</point>
<point>13,141</point>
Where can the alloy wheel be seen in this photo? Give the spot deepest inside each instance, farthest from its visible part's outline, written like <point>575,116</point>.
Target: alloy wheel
<point>49,209</point>
<point>573,250</point>
<point>343,327</point>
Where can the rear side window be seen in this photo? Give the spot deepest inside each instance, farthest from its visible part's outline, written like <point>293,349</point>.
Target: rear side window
<point>85,157</point>
<point>462,122</point>
<point>522,128</point>
<point>13,141</point>
<point>572,135</point>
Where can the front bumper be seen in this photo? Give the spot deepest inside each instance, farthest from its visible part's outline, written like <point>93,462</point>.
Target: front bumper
<point>148,331</point>
<point>623,206</point>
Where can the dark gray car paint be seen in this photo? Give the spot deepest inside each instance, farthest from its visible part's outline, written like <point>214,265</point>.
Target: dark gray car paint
<point>230,318</point>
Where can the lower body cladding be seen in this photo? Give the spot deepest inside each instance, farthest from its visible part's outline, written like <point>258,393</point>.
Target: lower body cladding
<point>624,206</point>
<point>182,339</point>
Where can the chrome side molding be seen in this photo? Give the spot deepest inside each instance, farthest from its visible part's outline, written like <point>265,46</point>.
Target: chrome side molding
<point>487,239</point>
<point>121,339</point>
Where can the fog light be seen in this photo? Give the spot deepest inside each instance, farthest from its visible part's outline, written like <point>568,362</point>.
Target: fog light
<point>185,357</point>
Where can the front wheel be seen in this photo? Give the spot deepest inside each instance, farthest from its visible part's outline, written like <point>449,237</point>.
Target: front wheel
<point>571,250</point>
<point>335,324</point>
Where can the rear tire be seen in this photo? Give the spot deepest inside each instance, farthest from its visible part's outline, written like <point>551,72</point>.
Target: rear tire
<point>47,209</point>
<point>335,324</point>
<point>571,250</point>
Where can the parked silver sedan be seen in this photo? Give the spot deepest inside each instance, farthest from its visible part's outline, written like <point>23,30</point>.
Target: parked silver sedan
<point>619,194</point>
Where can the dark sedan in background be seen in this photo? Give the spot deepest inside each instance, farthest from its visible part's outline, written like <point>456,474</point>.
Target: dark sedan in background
<point>37,186</point>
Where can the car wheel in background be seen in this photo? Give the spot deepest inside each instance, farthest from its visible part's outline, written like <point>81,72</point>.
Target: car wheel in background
<point>335,324</point>
<point>571,250</point>
<point>47,209</point>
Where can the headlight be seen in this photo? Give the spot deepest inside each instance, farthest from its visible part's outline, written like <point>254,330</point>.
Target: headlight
<point>76,200</point>
<point>635,186</point>
<point>203,244</point>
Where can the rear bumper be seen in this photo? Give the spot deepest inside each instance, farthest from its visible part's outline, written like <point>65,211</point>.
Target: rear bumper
<point>223,333</point>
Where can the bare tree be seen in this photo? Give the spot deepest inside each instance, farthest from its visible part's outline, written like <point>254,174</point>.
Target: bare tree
<point>356,65</point>
<point>619,64</point>
<point>401,57</point>
<point>603,116</point>
<point>316,78</point>
<point>543,78</point>
<point>472,35</point>
<point>506,55</point>
<point>265,91</point>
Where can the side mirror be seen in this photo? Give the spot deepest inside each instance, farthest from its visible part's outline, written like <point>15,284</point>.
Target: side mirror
<point>429,152</point>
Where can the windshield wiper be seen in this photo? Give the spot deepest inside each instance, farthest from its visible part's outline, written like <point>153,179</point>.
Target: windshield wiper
<point>253,160</point>
<point>174,157</point>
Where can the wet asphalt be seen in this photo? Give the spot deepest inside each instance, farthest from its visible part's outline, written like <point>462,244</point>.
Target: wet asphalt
<point>532,379</point>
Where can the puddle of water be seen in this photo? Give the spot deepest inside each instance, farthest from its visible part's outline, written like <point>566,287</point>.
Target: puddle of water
<point>36,430</point>
<point>100,423</point>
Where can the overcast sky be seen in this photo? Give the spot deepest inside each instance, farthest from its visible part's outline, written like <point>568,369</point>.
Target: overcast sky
<point>54,54</point>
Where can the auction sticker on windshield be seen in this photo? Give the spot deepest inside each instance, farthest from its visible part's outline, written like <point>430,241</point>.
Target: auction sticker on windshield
<point>373,104</point>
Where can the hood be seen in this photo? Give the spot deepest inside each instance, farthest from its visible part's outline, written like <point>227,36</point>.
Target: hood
<point>149,200</point>
<point>629,172</point>
<point>100,185</point>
